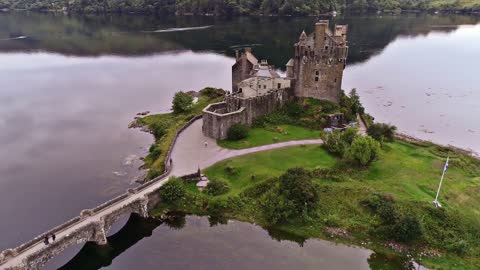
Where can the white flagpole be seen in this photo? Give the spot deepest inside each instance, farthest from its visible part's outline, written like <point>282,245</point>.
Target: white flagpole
<point>435,202</point>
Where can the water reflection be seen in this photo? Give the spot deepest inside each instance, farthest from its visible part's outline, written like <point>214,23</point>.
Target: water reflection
<point>235,245</point>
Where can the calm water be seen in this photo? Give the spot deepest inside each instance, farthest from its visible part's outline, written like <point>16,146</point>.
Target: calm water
<point>69,86</point>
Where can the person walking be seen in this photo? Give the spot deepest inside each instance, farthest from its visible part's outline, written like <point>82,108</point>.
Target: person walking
<point>53,237</point>
<point>46,240</point>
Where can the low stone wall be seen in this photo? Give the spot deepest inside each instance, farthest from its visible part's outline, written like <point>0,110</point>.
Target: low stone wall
<point>219,117</point>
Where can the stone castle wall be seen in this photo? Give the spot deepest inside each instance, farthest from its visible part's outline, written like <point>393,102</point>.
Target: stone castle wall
<point>219,117</point>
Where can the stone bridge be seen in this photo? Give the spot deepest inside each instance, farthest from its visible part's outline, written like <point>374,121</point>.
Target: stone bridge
<point>94,224</point>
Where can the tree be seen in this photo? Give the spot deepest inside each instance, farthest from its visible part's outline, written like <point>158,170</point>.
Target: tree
<point>181,102</point>
<point>237,132</point>
<point>363,150</point>
<point>173,191</point>
<point>217,187</point>
<point>382,132</point>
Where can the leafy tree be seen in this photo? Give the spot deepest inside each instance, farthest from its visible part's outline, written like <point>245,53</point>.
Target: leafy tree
<point>382,132</point>
<point>237,132</point>
<point>212,93</point>
<point>363,150</point>
<point>173,191</point>
<point>181,102</point>
<point>217,187</point>
<point>351,105</point>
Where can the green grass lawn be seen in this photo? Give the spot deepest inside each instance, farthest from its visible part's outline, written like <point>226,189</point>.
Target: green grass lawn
<point>251,169</point>
<point>271,134</point>
<point>410,173</point>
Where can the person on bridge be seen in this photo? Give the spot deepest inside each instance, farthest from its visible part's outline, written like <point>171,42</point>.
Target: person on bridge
<point>46,240</point>
<point>53,237</point>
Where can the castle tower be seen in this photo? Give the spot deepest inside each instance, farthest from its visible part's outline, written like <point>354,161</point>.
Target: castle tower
<point>321,28</point>
<point>242,68</point>
<point>320,58</point>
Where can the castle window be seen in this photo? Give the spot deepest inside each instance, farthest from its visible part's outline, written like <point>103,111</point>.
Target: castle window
<point>265,86</point>
<point>317,72</point>
<point>240,90</point>
<point>335,79</point>
<point>326,47</point>
<point>316,78</point>
<point>279,85</point>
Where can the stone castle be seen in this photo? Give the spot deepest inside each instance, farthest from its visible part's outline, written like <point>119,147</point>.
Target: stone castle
<point>315,71</point>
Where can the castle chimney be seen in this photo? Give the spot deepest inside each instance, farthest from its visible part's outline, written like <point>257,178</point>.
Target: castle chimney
<point>237,55</point>
<point>320,34</point>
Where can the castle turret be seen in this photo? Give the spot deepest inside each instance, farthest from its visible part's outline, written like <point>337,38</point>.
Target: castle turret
<point>320,35</point>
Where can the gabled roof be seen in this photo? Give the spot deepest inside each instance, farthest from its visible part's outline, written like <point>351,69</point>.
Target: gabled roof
<point>303,35</point>
<point>251,58</point>
<point>290,63</point>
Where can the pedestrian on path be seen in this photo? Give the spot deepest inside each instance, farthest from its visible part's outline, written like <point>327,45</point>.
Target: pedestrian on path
<point>46,240</point>
<point>53,237</point>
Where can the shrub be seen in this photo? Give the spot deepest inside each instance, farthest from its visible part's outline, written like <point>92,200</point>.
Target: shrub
<point>173,191</point>
<point>297,186</point>
<point>155,151</point>
<point>181,102</point>
<point>275,207</point>
<point>237,132</point>
<point>217,187</point>
<point>337,142</point>
<point>460,247</point>
<point>363,150</point>
<point>382,132</point>
<point>212,93</point>
<point>407,229</point>
<point>158,130</point>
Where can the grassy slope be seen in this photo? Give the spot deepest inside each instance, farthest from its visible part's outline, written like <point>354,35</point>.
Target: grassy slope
<point>409,172</point>
<point>271,134</point>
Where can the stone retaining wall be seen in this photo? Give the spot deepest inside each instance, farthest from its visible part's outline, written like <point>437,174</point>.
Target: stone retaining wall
<point>219,117</point>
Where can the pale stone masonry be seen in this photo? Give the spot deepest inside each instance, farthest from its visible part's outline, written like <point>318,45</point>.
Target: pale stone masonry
<point>315,71</point>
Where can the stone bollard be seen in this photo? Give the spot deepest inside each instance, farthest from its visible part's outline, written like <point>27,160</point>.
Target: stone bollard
<point>86,213</point>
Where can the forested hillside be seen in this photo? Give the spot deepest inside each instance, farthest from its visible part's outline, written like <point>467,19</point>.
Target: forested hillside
<point>240,7</point>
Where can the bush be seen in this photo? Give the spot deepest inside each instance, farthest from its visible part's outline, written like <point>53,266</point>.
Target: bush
<point>173,191</point>
<point>212,93</point>
<point>155,151</point>
<point>216,187</point>
<point>337,142</point>
<point>181,102</point>
<point>275,207</point>
<point>407,229</point>
<point>297,186</point>
<point>363,150</point>
<point>382,132</point>
<point>459,247</point>
<point>237,132</point>
<point>158,130</point>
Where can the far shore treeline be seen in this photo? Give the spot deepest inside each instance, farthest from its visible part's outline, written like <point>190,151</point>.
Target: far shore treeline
<point>241,7</point>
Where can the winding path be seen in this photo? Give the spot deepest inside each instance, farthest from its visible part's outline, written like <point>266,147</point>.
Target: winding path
<point>189,153</point>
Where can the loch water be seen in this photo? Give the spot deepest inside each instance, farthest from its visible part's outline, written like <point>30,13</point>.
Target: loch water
<point>70,85</point>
